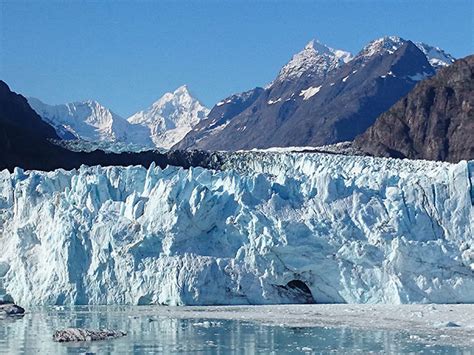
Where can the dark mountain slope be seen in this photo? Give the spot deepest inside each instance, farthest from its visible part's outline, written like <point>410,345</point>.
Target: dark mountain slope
<point>219,116</point>
<point>362,90</point>
<point>434,121</point>
<point>334,103</point>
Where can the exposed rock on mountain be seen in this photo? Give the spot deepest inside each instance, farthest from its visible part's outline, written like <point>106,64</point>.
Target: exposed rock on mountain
<point>321,97</point>
<point>23,135</point>
<point>434,121</point>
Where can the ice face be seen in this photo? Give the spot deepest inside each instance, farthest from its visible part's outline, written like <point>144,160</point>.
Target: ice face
<point>352,229</point>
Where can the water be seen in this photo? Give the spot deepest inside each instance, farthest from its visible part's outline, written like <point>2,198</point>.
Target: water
<point>159,334</point>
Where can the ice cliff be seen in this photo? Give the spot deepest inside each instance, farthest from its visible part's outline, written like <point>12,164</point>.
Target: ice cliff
<point>349,229</point>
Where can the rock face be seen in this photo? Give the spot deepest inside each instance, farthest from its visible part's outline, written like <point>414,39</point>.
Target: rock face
<point>23,134</point>
<point>322,96</point>
<point>268,228</point>
<point>79,334</point>
<point>434,121</point>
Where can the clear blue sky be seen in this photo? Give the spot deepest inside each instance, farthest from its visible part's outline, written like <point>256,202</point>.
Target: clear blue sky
<point>127,54</point>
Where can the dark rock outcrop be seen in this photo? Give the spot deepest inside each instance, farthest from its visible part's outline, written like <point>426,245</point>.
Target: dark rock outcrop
<point>10,309</point>
<point>435,121</point>
<point>80,334</point>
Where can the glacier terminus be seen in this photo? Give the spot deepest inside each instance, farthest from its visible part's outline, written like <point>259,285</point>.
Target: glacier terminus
<point>265,228</point>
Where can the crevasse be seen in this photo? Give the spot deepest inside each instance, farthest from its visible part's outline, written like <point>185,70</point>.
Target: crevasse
<point>352,229</point>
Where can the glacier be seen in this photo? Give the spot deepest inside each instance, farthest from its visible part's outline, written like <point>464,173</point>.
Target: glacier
<point>352,229</point>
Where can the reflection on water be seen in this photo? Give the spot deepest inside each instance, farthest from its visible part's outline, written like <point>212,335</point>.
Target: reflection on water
<point>33,334</point>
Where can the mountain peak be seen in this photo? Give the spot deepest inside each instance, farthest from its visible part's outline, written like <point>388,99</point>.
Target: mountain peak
<point>317,46</point>
<point>315,58</point>
<point>180,94</point>
<point>88,120</point>
<point>171,116</point>
<point>437,57</point>
<point>90,103</point>
<point>179,97</point>
<point>183,89</point>
<point>379,46</point>
<point>310,44</point>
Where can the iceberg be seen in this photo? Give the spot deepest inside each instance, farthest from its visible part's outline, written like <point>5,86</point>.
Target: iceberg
<point>266,228</point>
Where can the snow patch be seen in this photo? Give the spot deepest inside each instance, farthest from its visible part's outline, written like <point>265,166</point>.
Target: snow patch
<point>309,92</point>
<point>437,57</point>
<point>419,76</point>
<point>271,102</point>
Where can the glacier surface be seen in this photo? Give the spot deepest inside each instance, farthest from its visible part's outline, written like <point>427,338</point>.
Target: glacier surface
<point>352,229</point>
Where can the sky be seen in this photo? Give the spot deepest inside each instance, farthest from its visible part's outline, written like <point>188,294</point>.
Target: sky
<point>127,54</point>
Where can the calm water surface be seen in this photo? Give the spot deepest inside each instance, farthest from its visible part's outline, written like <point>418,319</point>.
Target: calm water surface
<point>32,334</point>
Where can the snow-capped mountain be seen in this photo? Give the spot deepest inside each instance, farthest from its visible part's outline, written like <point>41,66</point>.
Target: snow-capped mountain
<point>163,124</point>
<point>27,141</point>
<point>171,117</point>
<point>437,57</point>
<point>315,59</point>
<point>322,96</point>
<point>351,229</point>
<point>381,46</point>
<point>90,121</point>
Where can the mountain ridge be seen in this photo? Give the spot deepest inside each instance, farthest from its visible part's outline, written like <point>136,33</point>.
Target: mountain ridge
<point>295,112</point>
<point>162,124</point>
